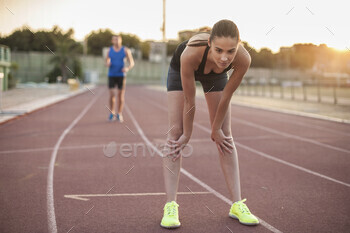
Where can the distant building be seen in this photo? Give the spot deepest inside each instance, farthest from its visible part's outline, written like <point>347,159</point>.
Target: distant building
<point>283,60</point>
<point>187,34</point>
<point>156,51</point>
<point>157,48</point>
<point>5,63</point>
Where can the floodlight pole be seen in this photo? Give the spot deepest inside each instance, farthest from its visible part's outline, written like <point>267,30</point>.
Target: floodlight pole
<point>164,52</point>
<point>164,18</point>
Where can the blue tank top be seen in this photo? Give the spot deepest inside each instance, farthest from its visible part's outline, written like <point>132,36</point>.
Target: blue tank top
<point>117,62</point>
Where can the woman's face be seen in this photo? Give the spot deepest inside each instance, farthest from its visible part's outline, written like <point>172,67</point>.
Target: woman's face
<point>223,50</point>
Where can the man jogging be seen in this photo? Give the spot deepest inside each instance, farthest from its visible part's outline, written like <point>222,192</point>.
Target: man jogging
<point>116,75</point>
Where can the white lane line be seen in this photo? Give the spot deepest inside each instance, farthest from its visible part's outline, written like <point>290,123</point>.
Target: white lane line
<point>79,147</point>
<point>51,217</point>
<point>189,175</point>
<point>278,160</point>
<point>292,165</point>
<point>293,112</point>
<point>319,128</point>
<point>141,132</point>
<point>225,199</point>
<point>242,138</point>
<point>309,125</point>
<point>82,197</point>
<point>267,155</point>
<point>51,148</point>
<point>194,140</point>
<point>26,150</point>
<point>288,135</point>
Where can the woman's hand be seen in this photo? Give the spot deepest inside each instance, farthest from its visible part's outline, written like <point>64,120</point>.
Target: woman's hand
<point>222,142</point>
<point>176,146</point>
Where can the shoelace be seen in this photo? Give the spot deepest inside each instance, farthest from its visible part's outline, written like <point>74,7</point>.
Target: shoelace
<point>171,209</point>
<point>243,207</point>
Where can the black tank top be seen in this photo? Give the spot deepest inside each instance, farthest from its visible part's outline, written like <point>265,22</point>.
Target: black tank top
<point>199,73</point>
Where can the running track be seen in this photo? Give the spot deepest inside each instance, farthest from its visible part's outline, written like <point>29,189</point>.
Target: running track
<point>62,169</point>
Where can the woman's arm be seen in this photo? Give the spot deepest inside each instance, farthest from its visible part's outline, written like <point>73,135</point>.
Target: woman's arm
<point>189,89</point>
<point>241,65</point>
<point>189,61</point>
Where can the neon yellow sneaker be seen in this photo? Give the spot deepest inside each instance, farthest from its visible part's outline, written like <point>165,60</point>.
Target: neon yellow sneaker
<point>240,211</point>
<point>171,215</point>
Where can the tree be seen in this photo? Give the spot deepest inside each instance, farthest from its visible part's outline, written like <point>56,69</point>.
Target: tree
<point>302,56</point>
<point>43,40</point>
<point>252,52</point>
<point>265,58</point>
<point>97,40</point>
<point>20,40</point>
<point>145,48</point>
<point>130,40</point>
<point>65,59</point>
<point>25,39</point>
<point>12,80</point>
<point>171,47</point>
<point>66,62</point>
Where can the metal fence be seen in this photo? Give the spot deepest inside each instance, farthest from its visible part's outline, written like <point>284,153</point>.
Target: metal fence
<point>272,83</point>
<point>34,67</point>
<point>297,85</point>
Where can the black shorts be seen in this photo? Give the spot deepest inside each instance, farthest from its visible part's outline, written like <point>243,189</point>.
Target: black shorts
<point>118,80</point>
<point>209,83</point>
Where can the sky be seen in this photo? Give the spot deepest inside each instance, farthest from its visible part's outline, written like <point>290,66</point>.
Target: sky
<point>262,23</point>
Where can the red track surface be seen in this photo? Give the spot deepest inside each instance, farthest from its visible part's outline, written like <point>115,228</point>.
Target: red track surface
<point>295,171</point>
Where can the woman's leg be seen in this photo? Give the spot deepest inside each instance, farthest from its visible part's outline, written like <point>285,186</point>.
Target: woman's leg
<point>171,170</point>
<point>228,161</point>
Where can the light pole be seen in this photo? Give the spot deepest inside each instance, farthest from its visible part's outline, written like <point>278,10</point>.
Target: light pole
<point>164,50</point>
<point>164,18</point>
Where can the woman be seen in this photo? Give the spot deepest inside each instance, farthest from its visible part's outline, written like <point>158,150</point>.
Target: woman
<point>205,58</point>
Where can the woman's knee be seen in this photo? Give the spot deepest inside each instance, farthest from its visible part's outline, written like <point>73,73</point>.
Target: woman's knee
<point>175,132</point>
<point>227,131</point>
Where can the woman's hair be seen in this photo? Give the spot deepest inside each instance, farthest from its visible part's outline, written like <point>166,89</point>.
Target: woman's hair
<point>224,28</point>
